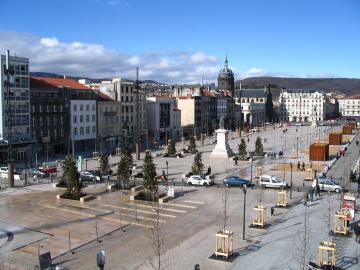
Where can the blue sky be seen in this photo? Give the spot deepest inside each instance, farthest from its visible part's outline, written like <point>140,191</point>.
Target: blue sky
<point>178,41</point>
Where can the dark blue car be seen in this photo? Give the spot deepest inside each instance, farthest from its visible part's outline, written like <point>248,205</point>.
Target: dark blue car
<point>236,181</point>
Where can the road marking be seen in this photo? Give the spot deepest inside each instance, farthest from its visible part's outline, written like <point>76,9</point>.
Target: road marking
<point>138,210</point>
<point>111,212</point>
<point>161,208</point>
<point>194,202</point>
<point>102,217</point>
<point>181,205</point>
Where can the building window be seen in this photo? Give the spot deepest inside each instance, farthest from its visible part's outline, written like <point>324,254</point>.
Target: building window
<point>34,121</point>
<point>48,120</point>
<point>34,134</point>
<point>61,133</point>
<point>55,133</point>
<point>81,107</point>
<point>93,129</point>
<point>81,118</point>
<point>40,121</point>
<point>87,107</point>
<point>54,108</point>
<point>61,120</point>
<point>87,118</point>
<point>81,130</point>
<point>93,107</point>
<point>55,120</point>
<point>93,117</point>
<point>74,118</point>
<point>33,108</point>
<point>74,108</point>
<point>40,108</point>
<point>47,108</point>
<point>87,130</point>
<point>75,131</point>
<point>61,108</point>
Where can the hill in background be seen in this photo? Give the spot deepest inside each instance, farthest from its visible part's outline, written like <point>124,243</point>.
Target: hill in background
<point>338,85</point>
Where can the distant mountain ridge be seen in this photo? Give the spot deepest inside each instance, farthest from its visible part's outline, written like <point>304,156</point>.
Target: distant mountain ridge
<point>339,85</point>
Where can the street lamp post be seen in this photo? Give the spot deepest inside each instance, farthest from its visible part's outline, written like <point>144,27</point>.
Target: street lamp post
<point>291,167</point>
<point>244,191</point>
<point>297,146</point>
<point>251,171</point>
<point>167,169</point>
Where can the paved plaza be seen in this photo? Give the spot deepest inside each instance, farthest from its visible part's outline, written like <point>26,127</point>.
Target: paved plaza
<point>33,221</point>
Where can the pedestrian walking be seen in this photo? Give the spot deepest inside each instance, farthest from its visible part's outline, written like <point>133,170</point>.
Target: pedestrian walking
<point>35,179</point>
<point>298,166</point>
<point>357,232</point>
<point>236,160</point>
<point>306,198</point>
<point>317,188</point>
<point>313,189</point>
<point>209,170</point>
<point>303,166</point>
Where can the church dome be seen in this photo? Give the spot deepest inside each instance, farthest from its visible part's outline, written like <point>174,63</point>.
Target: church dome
<point>226,71</point>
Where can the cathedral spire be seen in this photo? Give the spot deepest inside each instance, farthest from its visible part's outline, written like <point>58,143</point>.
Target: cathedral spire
<point>226,60</point>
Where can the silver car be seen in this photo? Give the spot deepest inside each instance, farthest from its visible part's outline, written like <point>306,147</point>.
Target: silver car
<point>329,185</point>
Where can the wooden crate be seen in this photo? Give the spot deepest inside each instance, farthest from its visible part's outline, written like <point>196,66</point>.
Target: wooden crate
<point>259,216</point>
<point>327,253</point>
<point>335,138</point>
<point>282,198</point>
<point>341,224</point>
<point>224,243</point>
<point>319,152</point>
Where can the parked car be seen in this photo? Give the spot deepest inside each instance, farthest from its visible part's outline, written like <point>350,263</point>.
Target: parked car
<point>256,129</point>
<point>327,184</point>
<point>38,173</point>
<point>199,181</point>
<point>89,176</point>
<point>271,181</point>
<point>236,181</point>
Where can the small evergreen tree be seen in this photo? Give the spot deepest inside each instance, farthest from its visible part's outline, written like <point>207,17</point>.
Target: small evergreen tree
<point>242,149</point>
<point>124,171</point>
<point>171,150</point>
<point>129,158</point>
<point>197,167</point>
<point>104,165</point>
<point>192,145</point>
<point>259,150</point>
<point>149,173</point>
<point>71,177</point>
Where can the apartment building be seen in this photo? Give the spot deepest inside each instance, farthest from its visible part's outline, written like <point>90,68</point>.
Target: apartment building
<point>349,107</point>
<point>19,102</point>
<point>164,119</point>
<point>305,105</point>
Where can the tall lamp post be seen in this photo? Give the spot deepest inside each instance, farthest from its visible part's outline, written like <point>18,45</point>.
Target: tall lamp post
<point>297,146</point>
<point>291,167</point>
<point>244,191</point>
<point>9,150</point>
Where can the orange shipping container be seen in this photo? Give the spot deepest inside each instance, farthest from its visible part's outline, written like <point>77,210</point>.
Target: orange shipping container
<point>335,138</point>
<point>319,152</point>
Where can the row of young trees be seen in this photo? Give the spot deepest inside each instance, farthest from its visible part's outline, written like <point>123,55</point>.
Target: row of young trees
<point>259,149</point>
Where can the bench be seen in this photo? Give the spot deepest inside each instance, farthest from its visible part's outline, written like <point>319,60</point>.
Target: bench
<point>164,199</point>
<point>137,188</point>
<point>87,198</point>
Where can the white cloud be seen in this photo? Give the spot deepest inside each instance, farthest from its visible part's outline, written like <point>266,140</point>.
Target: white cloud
<point>48,54</point>
<point>259,72</point>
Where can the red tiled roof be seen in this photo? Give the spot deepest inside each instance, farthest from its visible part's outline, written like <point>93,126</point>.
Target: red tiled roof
<point>103,97</point>
<point>49,82</point>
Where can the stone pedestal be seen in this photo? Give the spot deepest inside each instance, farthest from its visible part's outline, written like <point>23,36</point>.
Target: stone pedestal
<point>222,148</point>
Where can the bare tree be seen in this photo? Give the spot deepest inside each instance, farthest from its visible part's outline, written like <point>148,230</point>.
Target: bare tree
<point>328,211</point>
<point>260,195</point>
<point>302,243</point>
<point>156,238</point>
<point>225,202</point>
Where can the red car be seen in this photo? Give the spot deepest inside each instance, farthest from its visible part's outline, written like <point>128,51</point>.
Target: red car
<point>48,169</point>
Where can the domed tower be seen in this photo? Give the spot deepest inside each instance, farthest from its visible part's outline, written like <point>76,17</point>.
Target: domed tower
<point>226,78</point>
